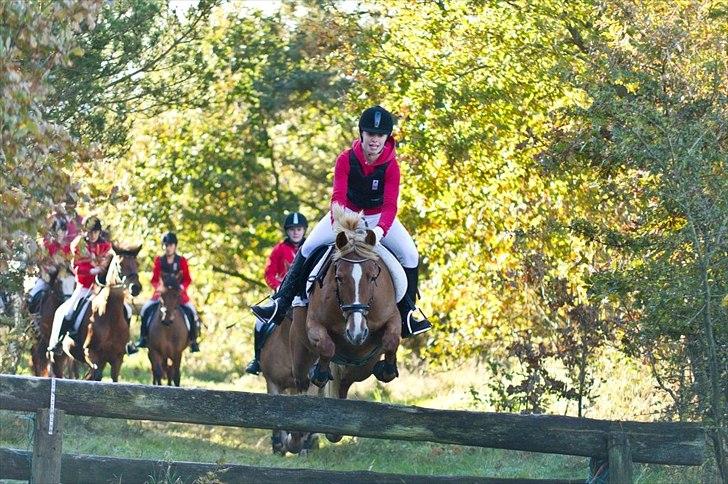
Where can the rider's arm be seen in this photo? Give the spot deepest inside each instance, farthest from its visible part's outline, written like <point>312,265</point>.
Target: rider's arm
<point>185,268</point>
<point>391,196</point>
<point>156,272</point>
<point>273,268</point>
<point>341,179</point>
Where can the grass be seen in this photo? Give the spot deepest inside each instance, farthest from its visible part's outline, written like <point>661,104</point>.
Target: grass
<point>225,445</point>
<point>626,394</point>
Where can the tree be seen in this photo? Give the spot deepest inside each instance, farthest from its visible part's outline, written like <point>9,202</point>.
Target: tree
<point>654,136</point>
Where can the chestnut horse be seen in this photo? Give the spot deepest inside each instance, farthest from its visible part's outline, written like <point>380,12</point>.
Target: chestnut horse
<point>61,287</point>
<point>276,366</point>
<point>104,332</point>
<point>352,317</point>
<point>168,334</point>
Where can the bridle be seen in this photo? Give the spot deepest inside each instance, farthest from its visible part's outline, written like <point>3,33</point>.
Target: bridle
<point>115,265</point>
<point>349,309</point>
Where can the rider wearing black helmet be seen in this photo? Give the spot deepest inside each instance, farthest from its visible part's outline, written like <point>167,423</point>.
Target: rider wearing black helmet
<point>366,179</point>
<point>170,263</point>
<point>279,261</point>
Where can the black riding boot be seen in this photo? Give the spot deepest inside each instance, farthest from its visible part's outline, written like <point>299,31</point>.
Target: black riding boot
<point>254,366</point>
<point>144,330</point>
<point>33,303</point>
<point>411,325</point>
<point>291,285</point>
<point>194,347</point>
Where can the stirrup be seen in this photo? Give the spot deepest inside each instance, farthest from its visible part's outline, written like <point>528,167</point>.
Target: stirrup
<point>413,327</point>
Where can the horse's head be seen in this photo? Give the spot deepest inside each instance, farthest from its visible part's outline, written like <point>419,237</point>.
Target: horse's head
<point>170,299</point>
<point>356,270</point>
<point>62,281</point>
<point>124,269</point>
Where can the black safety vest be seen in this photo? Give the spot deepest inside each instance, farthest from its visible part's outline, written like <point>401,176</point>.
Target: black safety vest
<point>168,268</point>
<point>365,191</point>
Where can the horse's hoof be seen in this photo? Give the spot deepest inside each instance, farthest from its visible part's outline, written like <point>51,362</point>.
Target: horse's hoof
<point>385,372</point>
<point>294,445</point>
<point>333,438</point>
<point>311,442</point>
<point>318,377</point>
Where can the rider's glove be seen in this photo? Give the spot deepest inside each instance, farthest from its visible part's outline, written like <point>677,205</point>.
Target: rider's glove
<point>94,271</point>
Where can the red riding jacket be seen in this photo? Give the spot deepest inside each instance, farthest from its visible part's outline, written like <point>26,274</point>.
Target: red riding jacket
<point>279,261</point>
<point>86,256</point>
<point>183,267</point>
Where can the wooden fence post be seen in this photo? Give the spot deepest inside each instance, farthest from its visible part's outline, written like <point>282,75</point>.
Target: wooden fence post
<point>620,458</point>
<point>45,467</point>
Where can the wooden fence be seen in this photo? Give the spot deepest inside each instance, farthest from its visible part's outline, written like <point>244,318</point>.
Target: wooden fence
<point>621,442</point>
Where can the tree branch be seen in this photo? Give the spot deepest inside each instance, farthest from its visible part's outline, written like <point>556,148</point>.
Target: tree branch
<point>232,273</point>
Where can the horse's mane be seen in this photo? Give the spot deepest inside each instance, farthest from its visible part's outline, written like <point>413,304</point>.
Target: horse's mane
<point>348,222</point>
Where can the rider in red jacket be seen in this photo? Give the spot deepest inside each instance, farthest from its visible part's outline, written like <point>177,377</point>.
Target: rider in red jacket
<point>57,250</point>
<point>279,261</point>
<point>170,263</point>
<point>90,256</point>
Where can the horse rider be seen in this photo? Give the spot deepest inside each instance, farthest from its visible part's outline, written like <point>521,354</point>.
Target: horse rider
<point>56,247</point>
<point>73,220</point>
<point>279,261</point>
<point>366,178</point>
<point>170,263</point>
<point>90,258</point>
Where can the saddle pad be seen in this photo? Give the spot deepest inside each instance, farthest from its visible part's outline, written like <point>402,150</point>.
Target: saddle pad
<point>399,279</point>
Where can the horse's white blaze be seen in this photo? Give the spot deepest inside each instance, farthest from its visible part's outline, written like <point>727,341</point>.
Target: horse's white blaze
<point>68,284</point>
<point>356,273</point>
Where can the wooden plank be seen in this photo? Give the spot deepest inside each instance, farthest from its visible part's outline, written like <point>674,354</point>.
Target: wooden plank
<point>47,448</point>
<point>620,459</point>
<point>91,469</point>
<point>658,443</point>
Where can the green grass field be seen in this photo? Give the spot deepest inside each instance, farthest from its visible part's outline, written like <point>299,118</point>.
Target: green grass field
<point>169,441</point>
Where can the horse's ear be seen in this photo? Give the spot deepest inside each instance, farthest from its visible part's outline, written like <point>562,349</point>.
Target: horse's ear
<point>371,238</point>
<point>341,240</point>
<point>134,251</point>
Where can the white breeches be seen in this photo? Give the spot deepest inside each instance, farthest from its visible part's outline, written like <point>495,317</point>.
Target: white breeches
<point>397,240</point>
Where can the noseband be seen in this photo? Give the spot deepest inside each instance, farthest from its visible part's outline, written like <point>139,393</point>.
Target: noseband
<point>363,309</point>
<point>123,282</point>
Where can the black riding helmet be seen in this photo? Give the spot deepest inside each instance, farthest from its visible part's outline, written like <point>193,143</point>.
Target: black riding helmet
<point>92,223</point>
<point>376,120</point>
<point>295,219</point>
<point>169,238</point>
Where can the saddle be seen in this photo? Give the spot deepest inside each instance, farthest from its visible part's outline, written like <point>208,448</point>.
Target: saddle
<point>317,265</point>
<point>154,307</point>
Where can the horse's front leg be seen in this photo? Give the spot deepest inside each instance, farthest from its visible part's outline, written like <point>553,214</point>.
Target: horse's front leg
<point>386,370</point>
<point>116,367</point>
<point>324,346</point>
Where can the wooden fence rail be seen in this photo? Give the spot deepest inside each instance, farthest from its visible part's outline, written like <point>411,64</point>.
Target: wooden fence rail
<point>620,441</point>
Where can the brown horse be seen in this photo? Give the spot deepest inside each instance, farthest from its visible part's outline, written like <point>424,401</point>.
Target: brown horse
<point>168,334</point>
<point>352,317</point>
<point>276,366</point>
<point>104,331</point>
<point>61,287</point>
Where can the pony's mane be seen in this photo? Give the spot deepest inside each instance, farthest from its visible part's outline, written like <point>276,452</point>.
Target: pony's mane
<point>348,222</point>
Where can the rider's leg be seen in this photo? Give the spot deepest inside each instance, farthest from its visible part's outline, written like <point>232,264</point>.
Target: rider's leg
<point>63,312</point>
<point>254,366</point>
<point>194,328</point>
<point>35,294</point>
<point>274,312</point>
<point>399,241</point>
<point>146,314</point>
